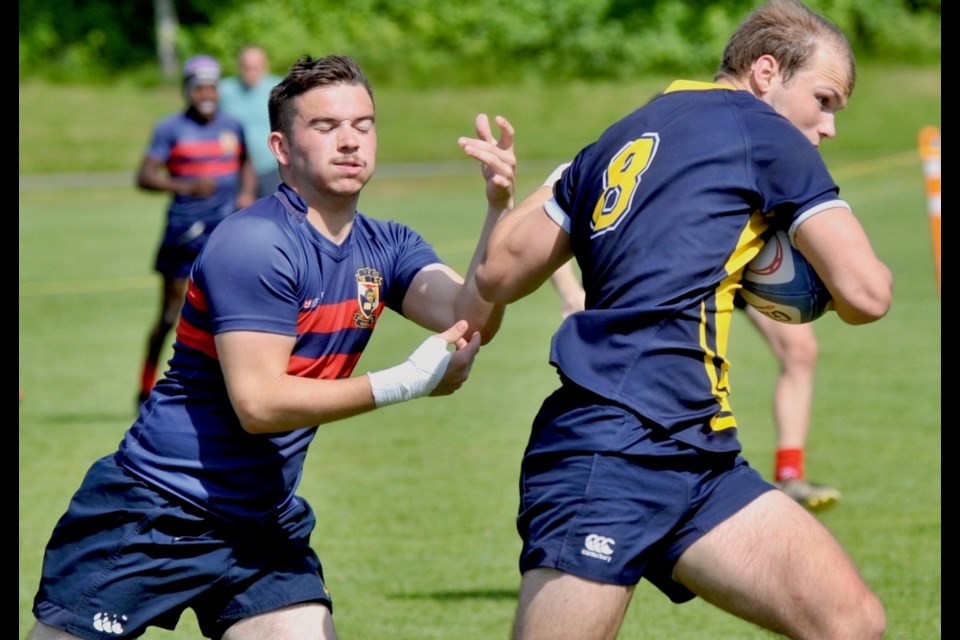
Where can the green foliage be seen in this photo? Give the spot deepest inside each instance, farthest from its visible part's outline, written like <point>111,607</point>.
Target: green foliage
<point>91,39</point>
<point>887,30</point>
<point>429,42</point>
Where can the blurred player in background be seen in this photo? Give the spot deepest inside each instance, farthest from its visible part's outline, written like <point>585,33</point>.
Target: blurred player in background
<point>633,468</point>
<point>566,282</point>
<point>245,97</point>
<point>795,347</point>
<point>200,157</point>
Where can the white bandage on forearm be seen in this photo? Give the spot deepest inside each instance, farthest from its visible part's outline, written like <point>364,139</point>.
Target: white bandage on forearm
<point>416,377</point>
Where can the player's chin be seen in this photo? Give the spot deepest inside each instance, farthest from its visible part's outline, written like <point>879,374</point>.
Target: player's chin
<point>356,171</point>
<point>350,185</point>
<point>346,188</point>
<point>206,108</point>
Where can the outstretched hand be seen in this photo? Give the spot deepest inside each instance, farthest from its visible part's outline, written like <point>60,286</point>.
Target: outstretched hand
<point>461,360</point>
<point>499,164</point>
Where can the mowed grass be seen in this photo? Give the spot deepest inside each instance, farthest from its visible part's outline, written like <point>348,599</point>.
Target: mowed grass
<point>416,503</point>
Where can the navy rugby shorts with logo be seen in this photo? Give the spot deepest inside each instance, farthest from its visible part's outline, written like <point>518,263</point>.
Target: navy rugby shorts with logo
<point>604,497</point>
<point>123,558</point>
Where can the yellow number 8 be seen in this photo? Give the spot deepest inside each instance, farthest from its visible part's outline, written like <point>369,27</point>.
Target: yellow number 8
<point>621,180</point>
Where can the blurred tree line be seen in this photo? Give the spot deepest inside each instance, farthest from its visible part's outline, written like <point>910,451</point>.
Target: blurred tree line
<point>421,42</point>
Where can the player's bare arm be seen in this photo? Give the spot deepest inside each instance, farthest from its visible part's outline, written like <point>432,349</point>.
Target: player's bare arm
<point>525,249</point>
<point>569,288</point>
<point>438,296</point>
<point>248,184</point>
<point>837,246</point>
<point>153,176</point>
<point>430,298</point>
<point>267,399</point>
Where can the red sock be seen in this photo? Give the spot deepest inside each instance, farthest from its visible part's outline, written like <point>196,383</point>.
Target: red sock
<point>148,377</point>
<point>789,465</point>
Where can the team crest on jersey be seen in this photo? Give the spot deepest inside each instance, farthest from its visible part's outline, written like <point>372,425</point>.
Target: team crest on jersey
<point>229,142</point>
<point>368,297</point>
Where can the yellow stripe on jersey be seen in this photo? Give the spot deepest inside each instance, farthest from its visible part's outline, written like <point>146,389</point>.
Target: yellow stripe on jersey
<point>748,246</point>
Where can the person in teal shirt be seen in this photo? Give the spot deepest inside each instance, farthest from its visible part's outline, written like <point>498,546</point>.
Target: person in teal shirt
<point>245,97</point>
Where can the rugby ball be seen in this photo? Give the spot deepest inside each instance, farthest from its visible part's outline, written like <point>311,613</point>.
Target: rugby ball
<point>782,285</point>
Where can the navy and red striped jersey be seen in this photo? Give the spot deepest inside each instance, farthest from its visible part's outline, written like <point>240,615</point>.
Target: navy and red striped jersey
<point>192,149</point>
<point>265,269</point>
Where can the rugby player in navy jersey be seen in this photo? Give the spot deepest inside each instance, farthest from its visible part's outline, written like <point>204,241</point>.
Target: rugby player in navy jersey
<point>198,506</point>
<point>796,348</point>
<point>200,157</point>
<point>633,469</point>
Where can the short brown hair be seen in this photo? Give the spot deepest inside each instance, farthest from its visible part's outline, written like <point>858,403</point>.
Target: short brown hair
<point>308,73</point>
<point>788,31</point>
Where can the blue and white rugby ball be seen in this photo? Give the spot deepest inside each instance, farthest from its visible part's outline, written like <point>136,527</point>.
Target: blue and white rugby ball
<point>781,284</point>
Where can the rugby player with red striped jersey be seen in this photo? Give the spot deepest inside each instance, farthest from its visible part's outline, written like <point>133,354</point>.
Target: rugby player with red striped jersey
<point>198,156</point>
<point>198,506</point>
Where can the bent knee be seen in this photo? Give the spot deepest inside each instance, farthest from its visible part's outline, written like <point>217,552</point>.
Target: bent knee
<point>864,617</point>
<point>801,352</point>
<point>873,618</point>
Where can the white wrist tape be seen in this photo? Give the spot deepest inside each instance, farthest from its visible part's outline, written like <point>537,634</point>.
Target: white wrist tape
<point>416,377</point>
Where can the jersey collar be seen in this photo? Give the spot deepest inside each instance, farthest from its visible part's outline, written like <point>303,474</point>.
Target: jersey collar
<point>695,85</point>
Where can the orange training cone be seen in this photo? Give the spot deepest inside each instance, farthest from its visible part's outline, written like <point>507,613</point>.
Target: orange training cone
<point>929,143</point>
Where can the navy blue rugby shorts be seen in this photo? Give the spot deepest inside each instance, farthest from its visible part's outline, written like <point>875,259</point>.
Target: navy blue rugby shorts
<point>604,497</point>
<point>124,557</point>
<point>180,247</point>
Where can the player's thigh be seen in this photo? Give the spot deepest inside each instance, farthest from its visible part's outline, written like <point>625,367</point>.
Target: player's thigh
<point>561,606</point>
<point>42,632</point>
<point>307,621</point>
<point>773,563</point>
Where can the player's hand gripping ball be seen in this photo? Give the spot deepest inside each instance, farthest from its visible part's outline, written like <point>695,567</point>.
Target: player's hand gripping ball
<point>781,284</point>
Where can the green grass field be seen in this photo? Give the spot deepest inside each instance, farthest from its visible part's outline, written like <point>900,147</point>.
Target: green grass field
<point>416,502</point>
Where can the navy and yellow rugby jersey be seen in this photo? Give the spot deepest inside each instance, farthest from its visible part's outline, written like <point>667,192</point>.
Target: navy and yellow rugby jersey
<point>664,211</point>
<point>264,269</point>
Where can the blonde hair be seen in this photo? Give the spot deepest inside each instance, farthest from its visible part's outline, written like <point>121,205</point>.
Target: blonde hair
<point>791,33</point>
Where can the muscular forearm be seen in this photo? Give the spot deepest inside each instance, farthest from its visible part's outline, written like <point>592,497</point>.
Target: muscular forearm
<point>866,300</point>
<point>837,246</point>
<point>483,316</point>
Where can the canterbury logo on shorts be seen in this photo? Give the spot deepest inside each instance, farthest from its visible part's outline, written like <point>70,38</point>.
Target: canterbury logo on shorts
<point>599,547</point>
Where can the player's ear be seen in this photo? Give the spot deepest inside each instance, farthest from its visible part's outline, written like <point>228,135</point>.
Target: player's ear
<point>764,74</point>
<point>278,146</point>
